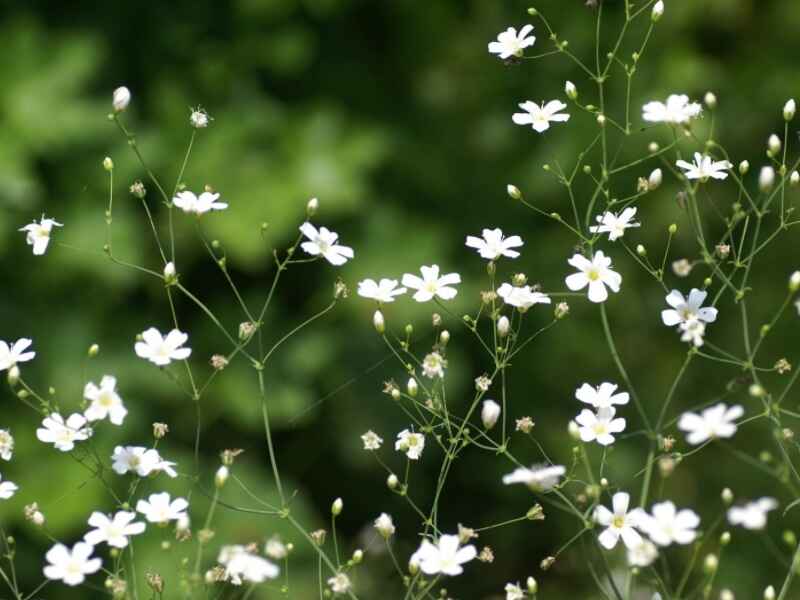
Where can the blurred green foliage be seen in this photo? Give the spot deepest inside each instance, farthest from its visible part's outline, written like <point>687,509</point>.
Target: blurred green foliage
<point>397,118</point>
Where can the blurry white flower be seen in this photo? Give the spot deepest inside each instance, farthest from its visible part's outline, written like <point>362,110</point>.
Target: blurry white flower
<point>766,179</point>
<point>539,477</point>
<point>490,412</point>
<point>140,460</point>
<point>493,245</point>
<point>7,489</point>
<point>199,118</point>
<point>514,592</point>
<point>540,117</point>
<point>693,332</point>
<point>385,525</point>
<point>113,531</point>
<point>242,565</point>
<point>205,202</point>
<point>615,225</point>
<point>655,179</point>
<point>704,167</point>
<point>71,566</point>
<point>676,110</point>
<point>276,549</point>
<point>162,350</point>
<point>411,443</point>
<point>681,267</point>
<point>446,557</point>
<point>322,242</point>
<point>597,274</point>
<point>383,291</point>
<point>510,43</point>
<point>433,365</point>
<point>105,402</point>
<point>63,435</point>
<point>158,508</point>
<point>339,583</point>
<point>714,422</point>
<point>431,284</point>
<point>521,297</point>
<point>752,515</point>
<point>666,525</point>
<point>372,441</point>
<point>620,523</point>
<point>599,427</point>
<point>602,396</point>
<point>6,444</point>
<point>120,99</point>
<point>789,109</point>
<point>658,11</point>
<point>643,554</point>
<point>687,309</point>
<point>38,234</point>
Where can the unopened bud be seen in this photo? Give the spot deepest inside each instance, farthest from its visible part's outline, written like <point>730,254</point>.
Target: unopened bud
<point>13,375</point>
<point>221,476</point>
<point>794,178</point>
<point>794,281</point>
<point>311,207</point>
<point>710,100</point>
<point>727,496</point>
<point>490,412</point>
<point>766,179</point>
<point>336,507</point>
<point>789,109</point>
<point>744,167</point>
<point>571,91</point>
<point>513,192</point>
<point>170,274</point>
<point>411,387</point>
<point>108,164</point>
<point>93,351</point>
<point>774,144</point>
<point>658,11</point>
<point>655,179</point>
<point>503,326</point>
<point>120,99</point>
<point>378,322</point>
<point>392,481</point>
<point>769,592</point>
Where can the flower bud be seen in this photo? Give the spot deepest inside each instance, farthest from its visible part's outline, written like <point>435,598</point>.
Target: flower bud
<point>769,592</point>
<point>725,538</point>
<point>533,587</point>
<point>655,179</point>
<point>120,99</point>
<point>573,430</point>
<point>378,322</point>
<point>571,91</point>
<point>653,147</point>
<point>108,164</point>
<point>490,412</point>
<point>221,477</point>
<point>411,387</point>
<point>789,109</point>
<point>93,351</point>
<point>392,481</point>
<point>503,326</point>
<point>513,192</point>
<point>13,375</point>
<point>711,563</point>
<point>358,555</point>
<point>710,100</point>
<point>658,11</point>
<point>336,507</point>
<point>561,310</point>
<point>641,250</point>
<point>774,144</point>
<point>170,275</point>
<point>385,526</point>
<point>673,229</point>
<point>766,179</point>
<point>794,178</point>
<point>744,167</point>
<point>311,207</point>
<point>601,120</point>
<point>727,496</point>
<point>794,282</point>
<point>444,337</point>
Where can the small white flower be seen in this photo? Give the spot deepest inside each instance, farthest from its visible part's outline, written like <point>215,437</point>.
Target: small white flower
<point>433,365</point>
<point>521,297</point>
<point>205,202</point>
<point>510,43</point>
<point>158,508</point>
<point>667,525</point>
<point>704,167</point>
<point>539,478</point>
<point>599,427</point>
<point>493,245</point>
<point>687,309</point>
<point>120,99</point>
<point>7,489</point>
<point>490,412</point>
<point>63,435</point>
<point>339,583</point>
<point>615,225</point>
<point>113,531</point>
<point>752,515</point>
<point>385,525</point>
<point>693,332</point>
<point>714,422</point>
<point>643,554</point>
<point>161,350</point>
<point>105,402</point>
<point>140,460</point>
<point>431,284</point>
<point>677,110</point>
<point>38,234</point>
<point>446,557</point>
<point>411,443</point>
<point>242,565</point>
<point>199,118</point>
<point>11,355</point>
<point>766,178</point>
<point>658,11</point>
<point>602,396</point>
<point>275,548</point>
<point>596,274</point>
<point>383,291</point>
<point>322,242</point>
<point>540,117</point>
<point>620,523</point>
<point>514,592</point>
<point>6,444</point>
<point>372,441</point>
<point>71,566</point>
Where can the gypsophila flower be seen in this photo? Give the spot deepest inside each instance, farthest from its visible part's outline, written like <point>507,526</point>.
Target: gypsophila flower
<point>323,242</point>
<point>540,117</point>
<point>482,383</point>
<point>602,396</point>
<point>372,441</point>
<point>38,234</point>
<point>511,43</point>
<point>188,202</point>
<point>61,434</point>
<point>242,565</point>
<point>492,245</point>
<point>105,402</point>
<point>490,412</point>
<point>384,525</point>
<point>752,515</point>
<point>383,291</point>
<point>514,592</point>
<point>339,583</point>
<point>521,297</point>
<point>693,332</point>
<point>411,443</point>
<point>161,350</point>
<point>432,284</point>
<point>681,267</point>
<point>705,167</point>
<point>666,525</point>
<point>620,523</point>
<point>6,444</point>
<point>615,224</point>
<point>275,548</point>
<point>140,460</point>
<point>642,554</point>
<point>599,427</point>
<point>687,309</point>
<point>11,355</point>
<point>433,365</point>
<point>446,557</point>
<point>199,118</point>
<point>7,489</point>
<point>71,566</point>
<point>120,99</point>
<point>113,531</point>
<point>677,110</point>
<point>596,274</point>
<point>714,422</point>
<point>539,477</point>
<point>158,508</point>
<point>524,424</point>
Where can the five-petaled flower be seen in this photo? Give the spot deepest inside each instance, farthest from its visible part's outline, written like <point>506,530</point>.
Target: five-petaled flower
<point>512,43</point>
<point>666,525</point>
<point>621,523</point>
<point>687,309</point>
<point>445,557</point>
<point>71,566</point>
<point>596,274</point>
<point>140,460</point>
<point>432,284</point>
<point>538,477</point>
<point>383,291</point>
<point>105,401</point>
<point>411,443</point>
<point>599,427</point>
<point>15,353</point>
<point>522,297</point>
<point>188,202</point>
<point>704,167</point>
<point>714,422</point>
<point>158,508</point>
<point>322,242</point>
<point>602,396</point>
<point>114,530</point>
<point>615,224</point>
<point>7,489</point>
<point>540,117</point>
<point>241,564</point>
<point>61,434</point>
<point>752,515</point>
<point>677,110</point>
<point>38,234</point>
<point>492,245</point>
<point>161,350</point>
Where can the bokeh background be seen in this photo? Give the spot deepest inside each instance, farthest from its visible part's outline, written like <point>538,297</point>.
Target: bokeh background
<point>397,118</point>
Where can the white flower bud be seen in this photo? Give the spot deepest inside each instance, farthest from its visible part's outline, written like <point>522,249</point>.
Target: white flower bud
<point>411,387</point>
<point>641,250</point>
<point>766,179</point>
<point>794,178</point>
<point>658,11</point>
<point>774,144</point>
<point>121,99</point>
<point>221,476</point>
<point>503,326</point>
<point>513,192</point>
<point>744,167</point>
<point>385,525</point>
<point>726,595</point>
<point>769,592</point>
<point>13,375</point>
<point>789,109</point>
<point>655,179</point>
<point>601,120</point>
<point>358,555</point>
<point>727,496</point>
<point>170,274</point>
<point>312,207</point>
<point>794,281</point>
<point>392,481</point>
<point>108,164</point>
<point>336,507</point>
<point>533,587</point>
<point>490,412</point>
<point>711,563</point>
<point>571,91</point>
<point>378,322</point>
<point>653,147</point>
<point>444,337</point>
<point>710,100</point>
<point>573,430</point>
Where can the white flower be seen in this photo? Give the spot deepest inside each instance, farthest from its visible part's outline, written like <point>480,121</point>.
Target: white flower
<point>372,441</point>
<point>120,99</point>
<point>113,531</point>
<point>619,524</point>
<point>521,297</point>
<point>242,565</point>
<point>539,477</point>
<point>38,234</point>
<point>599,427</point>
<point>490,412</point>
<point>789,109</point>
<point>615,225</point>
<point>411,443</point>
<point>766,178</point>
<point>140,460</point>
<point>199,118</point>
<point>7,489</point>
<point>677,110</point>
<point>493,245</point>
<point>323,243</point>
<point>161,350</point>
<point>446,557</point>
<point>11,355</point>
<point>339,583</point>
<point>159,509</point>
<point>514,592</point>
<point>687,309</point>
<point>714,422</point>
<point>658,11</point>
<point>510,43</point>
<point>602,396</point>
<point>431,284</point>
<point>540,117</point>
<point>643,554</point>
<point>704,167</point>
<point>189,203</point>
<point>105,402</point>
<point>383,291</point>
<point>63,435</point>
<point>667,525</point>
<point>385,525</point>
<point>597,274</point>
<point>6,444</point>
<point>693,332</point>
<point>752,515</point>
<point>71,566</point>
<point>275,548</point>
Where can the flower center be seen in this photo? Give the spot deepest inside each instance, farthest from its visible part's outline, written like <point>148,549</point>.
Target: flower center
<point>618,522</point>
<point>593,274</point>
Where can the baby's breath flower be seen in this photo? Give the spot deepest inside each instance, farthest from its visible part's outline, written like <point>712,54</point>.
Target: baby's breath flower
<point>599,427</point>
<point>752,515</point>
<point>385,526</point>
<point>104,401</point>
<point>512,44</point>
<point>188,202</point>
<point>6,444</point>
<point>410,443</point>
<point>383,291</point>
<point>323,242</point>
<point>433,365</point>
<point>199,118</point>
<point>159,508</point>
<point>666,525</point>
<point>540,117</point>
<point>490,412</point>
<point>492,245</point>
<point>34,515</point>
<point>63,434</point>
<point>658,11</point>
<point>677,110</point>
<point>7,489</point>
<point>615,224</point>
<point>120,99</point>
<point>445,557</point>
<point>682,267</point>
<point>705,167</point>
<point>431,284</point>
<point>276,549</point>
<point>38,234</point>
<point>525,424</point>
<point>71,565</point>
<point>162,350</point>
<point>371,440</point>
<point>596,274</point>
<point>513,192</point>
<point>714,422</point>
<point>570,90</point>
<point>621,523</point>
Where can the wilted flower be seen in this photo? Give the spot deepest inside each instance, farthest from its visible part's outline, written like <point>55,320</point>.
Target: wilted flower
<point>199,118</point>
<point>38,234</point>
